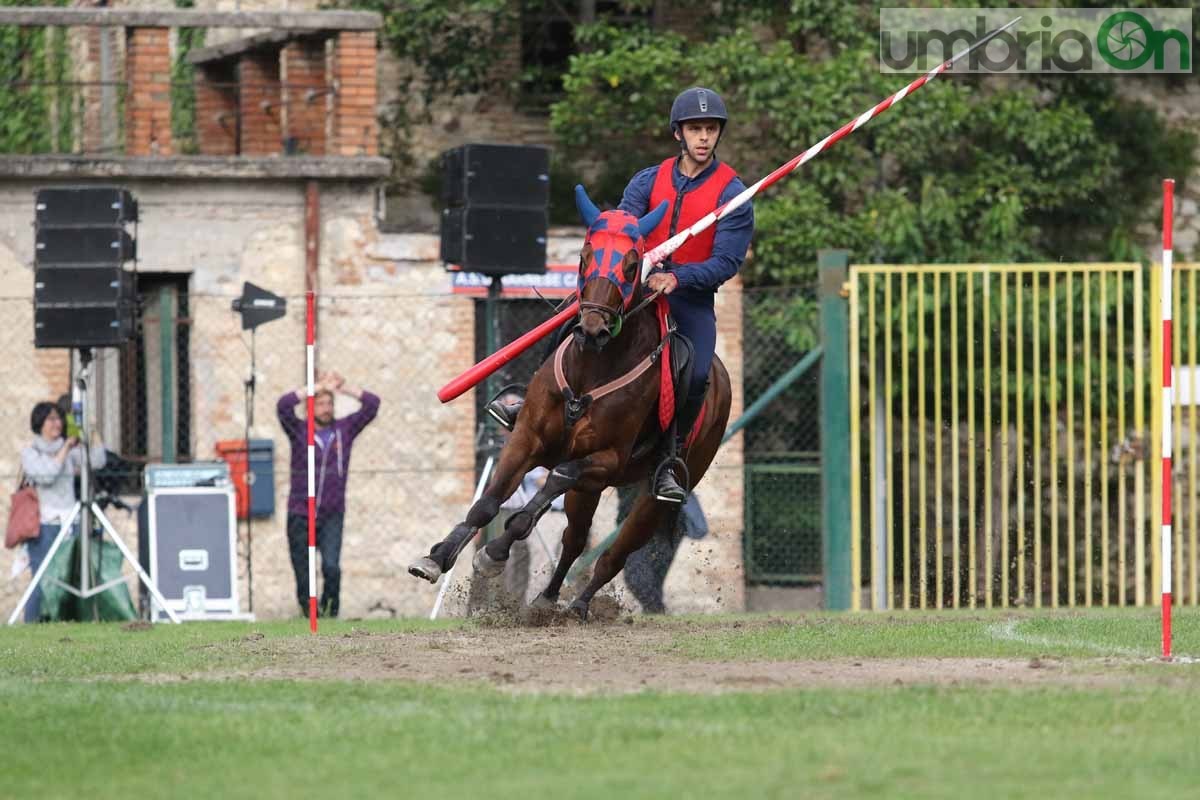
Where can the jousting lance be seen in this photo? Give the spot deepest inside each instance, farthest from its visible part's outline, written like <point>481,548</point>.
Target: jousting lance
<point>486,367</point>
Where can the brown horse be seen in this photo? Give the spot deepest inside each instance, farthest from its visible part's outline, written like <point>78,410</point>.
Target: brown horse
<point>612,439</point>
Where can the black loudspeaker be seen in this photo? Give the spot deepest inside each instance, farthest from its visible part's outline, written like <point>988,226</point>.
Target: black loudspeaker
<point>54,286</point>
<point>77,325</point>
<point>495,241</point>
<point>83,296</point>
<point>84,245</point>
<point>74,206</point>
<point>496,175</point>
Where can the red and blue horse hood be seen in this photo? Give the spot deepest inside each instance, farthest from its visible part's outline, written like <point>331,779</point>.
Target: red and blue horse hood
<point>613,235</point>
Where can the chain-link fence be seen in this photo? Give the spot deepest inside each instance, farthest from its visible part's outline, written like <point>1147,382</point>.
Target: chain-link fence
<point>782,443</point>
<point>179,392</point>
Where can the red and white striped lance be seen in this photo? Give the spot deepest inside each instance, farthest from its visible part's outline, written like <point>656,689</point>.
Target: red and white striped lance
<point>660,253</point>
<point>480,371</point>
<point>310,356</point>
<point>1167,401</point>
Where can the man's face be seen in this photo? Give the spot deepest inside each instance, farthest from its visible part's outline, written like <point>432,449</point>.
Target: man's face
<point>323,409</point>
<point>700,136</point>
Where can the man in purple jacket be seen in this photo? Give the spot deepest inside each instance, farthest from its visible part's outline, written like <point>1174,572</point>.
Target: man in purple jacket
<point>334,439</point>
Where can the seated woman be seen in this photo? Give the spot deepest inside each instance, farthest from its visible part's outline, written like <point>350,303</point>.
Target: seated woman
<point>50,464</point>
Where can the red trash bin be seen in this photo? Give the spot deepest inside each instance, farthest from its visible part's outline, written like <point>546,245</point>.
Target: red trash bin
<point>233,452</point>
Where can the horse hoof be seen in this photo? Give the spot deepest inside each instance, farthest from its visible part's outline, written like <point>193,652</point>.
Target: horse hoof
<point>578,609</point>
<point>425,568</point>
<point>543,603</point>
<point>485,565</point>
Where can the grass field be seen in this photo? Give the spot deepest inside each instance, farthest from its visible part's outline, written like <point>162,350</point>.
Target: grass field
<point>919,705</point>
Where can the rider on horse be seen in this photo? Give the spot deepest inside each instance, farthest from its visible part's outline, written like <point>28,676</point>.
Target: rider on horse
<point>694,183</point>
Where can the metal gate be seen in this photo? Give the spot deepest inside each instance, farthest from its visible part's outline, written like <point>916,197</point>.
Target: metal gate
<point>1002,427</point>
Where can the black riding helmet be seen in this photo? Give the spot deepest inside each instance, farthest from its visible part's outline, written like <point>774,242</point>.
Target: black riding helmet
<point>698,103</point>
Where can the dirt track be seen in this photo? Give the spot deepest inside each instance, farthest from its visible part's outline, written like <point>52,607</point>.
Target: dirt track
<point>626,655</point>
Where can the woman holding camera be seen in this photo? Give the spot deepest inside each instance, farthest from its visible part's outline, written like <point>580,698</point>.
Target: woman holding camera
<point>50,464</point>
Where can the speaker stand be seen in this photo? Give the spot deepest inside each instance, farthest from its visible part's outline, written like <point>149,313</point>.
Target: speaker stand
<point>85,509</point>
<point>250,386</point>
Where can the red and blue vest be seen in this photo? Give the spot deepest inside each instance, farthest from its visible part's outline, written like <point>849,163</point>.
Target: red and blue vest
<point>685,209</point>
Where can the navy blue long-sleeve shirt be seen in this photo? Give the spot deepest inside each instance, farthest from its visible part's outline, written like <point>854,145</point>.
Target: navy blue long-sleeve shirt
<point>731,240</point>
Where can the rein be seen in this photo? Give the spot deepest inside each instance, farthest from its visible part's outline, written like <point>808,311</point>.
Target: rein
<point>577,405</point>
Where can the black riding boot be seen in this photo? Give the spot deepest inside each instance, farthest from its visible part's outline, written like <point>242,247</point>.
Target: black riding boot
<point>671,478</point>
<point>504,413</point>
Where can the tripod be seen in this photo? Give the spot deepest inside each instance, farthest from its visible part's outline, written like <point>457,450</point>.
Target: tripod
<point>85,509</point>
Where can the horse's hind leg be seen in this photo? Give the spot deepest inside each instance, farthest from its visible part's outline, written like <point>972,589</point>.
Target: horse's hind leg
<point>515,461</point>
<point>643,520</point>
<point>580,508</point>
<point>489,560</point>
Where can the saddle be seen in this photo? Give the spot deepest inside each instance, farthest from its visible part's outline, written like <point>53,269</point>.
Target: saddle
<point>681,353</point>
<point>673,357</point>
<point>679,361</point>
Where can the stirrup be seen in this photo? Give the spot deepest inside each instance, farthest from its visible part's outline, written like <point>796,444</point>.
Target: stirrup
<point>663,472</point>
<point>506,413</point>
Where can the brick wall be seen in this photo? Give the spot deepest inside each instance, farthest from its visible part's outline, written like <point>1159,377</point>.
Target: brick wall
<point>302,71</point>
<point>217,111</point>
<point>355,129</point>
<point>148,100</point>
<point>259,104</point>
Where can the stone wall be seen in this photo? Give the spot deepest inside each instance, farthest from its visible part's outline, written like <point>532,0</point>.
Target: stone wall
<point>1180,107</point>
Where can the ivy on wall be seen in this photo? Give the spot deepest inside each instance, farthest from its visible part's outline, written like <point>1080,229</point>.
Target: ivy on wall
<point>183,91</point>
<point>183,86</point>
<point>37,108</point>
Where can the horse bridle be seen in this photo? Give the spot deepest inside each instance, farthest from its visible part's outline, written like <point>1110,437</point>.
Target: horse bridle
<point>614,318</point>
<point>610,314</point>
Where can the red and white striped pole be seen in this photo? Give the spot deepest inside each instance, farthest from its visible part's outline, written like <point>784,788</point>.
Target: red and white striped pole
<point>1167,403</point>
<point>310,354</point>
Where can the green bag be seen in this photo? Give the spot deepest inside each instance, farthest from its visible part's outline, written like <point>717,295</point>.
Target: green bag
<point>59,605</point>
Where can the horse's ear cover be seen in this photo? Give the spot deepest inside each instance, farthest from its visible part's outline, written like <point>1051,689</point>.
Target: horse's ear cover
<point>651,220</point>
<point>587,209</point>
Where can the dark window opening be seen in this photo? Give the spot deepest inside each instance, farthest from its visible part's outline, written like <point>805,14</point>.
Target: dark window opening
<point>156,408</point>
<point>548,41</point>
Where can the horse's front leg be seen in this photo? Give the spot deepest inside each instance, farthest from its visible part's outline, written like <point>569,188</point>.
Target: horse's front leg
<point>516,459</point>
<point>580,508</point>
<point>489,560</point>
<point>643,520</point>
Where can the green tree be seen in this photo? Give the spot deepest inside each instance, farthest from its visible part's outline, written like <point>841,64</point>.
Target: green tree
<point>967,169</point>
<point>958,172</point>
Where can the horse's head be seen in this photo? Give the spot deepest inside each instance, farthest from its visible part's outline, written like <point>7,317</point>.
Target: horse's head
<point>610,267</point>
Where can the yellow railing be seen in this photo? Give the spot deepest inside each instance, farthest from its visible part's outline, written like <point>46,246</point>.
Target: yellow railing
<point>1003,413</point>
